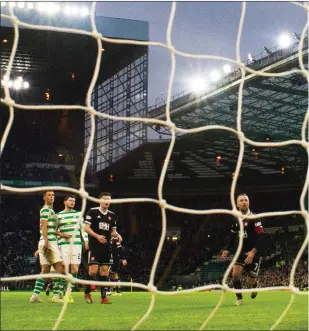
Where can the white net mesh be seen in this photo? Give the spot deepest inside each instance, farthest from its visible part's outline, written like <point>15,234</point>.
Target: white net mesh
<point>173,130</point>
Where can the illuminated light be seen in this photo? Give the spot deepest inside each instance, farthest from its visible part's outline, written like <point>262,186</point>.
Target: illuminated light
<point>29,5</point>
<point>267,138</point>
<point>41,6</point>
<point>227,68</point>
<point>84,11</point>
<point>67,10</point>
<point>250,57</point>
<point>12,4</point>
<point>253,150</point>
<point>73,76</point>
<point>282,169</point>
<point>25,85</point>
<point>285,40</point>
<point>47,95</point>
<point>10,83</point>
<point>219,157</point>
<point>20,78</point>
<point>102,49</point>
<point>60,155</point>
<point>198,84</point>
<point>4,41</point>
<point>174,238</point>
<point>17,84</point>
<point>21,5</point>
<point>52,8</point>
<point>3,3</point>
<point>74,10</point>
<point>215,76</point>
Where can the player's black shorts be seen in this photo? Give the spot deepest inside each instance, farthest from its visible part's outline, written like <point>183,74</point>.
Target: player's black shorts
<point>252,269</point>
<point>100,256</point>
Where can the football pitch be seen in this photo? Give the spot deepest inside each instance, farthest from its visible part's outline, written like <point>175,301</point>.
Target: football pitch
<point>180,312</point>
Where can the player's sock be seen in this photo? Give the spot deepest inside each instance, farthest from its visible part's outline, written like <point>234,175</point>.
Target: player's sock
<point>62,286</point>
<point>237,286</point>
<point>56,287</point>
<point>254,294</point>
<point>74,285</point>
<point>87,287</point>
<point>39,286</point>
<point>103,289</point>
<point>118,288</point>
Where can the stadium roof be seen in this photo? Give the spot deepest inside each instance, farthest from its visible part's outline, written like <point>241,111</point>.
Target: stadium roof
<point>273,107</point>
<point>273,110</point>
<point>47,59</point>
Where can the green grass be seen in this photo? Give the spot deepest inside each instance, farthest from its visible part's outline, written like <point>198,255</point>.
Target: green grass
<point>180,312</point>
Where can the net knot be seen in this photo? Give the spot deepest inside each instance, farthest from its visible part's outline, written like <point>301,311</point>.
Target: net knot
<point>8,101</point>
<point>91,110</point>
<point>171,125</point>
<point>83,193</point>
<point>70,278</point>
<point>97,35</point>
<point>293,289</point>
<point>162,203</point>
<point>225,287</point>
<point>241,135</point>
<point>236,213</point>
<point>152,288</point>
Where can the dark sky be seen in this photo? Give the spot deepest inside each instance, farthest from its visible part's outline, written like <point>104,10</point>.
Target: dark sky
<point>206,28</point>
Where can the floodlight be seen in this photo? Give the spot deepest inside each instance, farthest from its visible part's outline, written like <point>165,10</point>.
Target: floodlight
<point>285,40</point>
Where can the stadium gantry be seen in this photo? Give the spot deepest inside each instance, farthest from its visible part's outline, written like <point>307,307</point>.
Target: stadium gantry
<point>273,110</point>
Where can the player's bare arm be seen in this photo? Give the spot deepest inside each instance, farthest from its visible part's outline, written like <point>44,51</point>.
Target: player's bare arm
<point>44,232</point>
<point>250,256</point>
<point>115,234</point>
<point>91,233</point>
<point>84,235</point>
<point>62,235</point>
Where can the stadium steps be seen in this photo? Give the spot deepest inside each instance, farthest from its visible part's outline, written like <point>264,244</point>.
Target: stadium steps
<point>168,268</point>
<point>177,250</point>
<point>73,178</point>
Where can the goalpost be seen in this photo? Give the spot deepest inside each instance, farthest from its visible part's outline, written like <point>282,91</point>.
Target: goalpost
<point>160,201</point>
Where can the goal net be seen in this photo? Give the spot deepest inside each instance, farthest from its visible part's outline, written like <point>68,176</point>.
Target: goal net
<point>161,201</point>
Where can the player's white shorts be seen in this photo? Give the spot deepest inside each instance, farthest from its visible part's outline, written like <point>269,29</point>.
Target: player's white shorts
<point>51,255</point>
<point>74,258</point>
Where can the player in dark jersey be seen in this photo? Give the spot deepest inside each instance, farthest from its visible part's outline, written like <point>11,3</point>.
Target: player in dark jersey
<point>250,257</point>
<point>119,259</point>
<point>100,224</point>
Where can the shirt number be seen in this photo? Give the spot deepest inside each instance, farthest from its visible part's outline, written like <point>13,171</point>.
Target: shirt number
<point>103,226</point>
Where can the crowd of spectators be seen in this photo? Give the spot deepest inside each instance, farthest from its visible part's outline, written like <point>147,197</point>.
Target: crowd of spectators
<point>280,276</point>
<point>200,240</point>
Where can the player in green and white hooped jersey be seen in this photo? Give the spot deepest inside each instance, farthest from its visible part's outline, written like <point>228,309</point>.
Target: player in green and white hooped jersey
<point>69,222</point>
<point>48,248</point>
